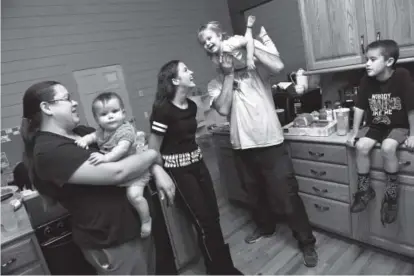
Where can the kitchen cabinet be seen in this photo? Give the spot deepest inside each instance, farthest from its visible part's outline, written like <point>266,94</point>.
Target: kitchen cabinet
<point>322,174</point>
<point>335,32</point>
<point>392,19</point>
<point>23,257</point>
<point>325,169</point>
<point>332,31</point>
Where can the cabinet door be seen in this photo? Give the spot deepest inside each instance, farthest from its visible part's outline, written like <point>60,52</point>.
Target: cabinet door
<point>392,19</point>
<point>332,31</point>
<point>398,236</point>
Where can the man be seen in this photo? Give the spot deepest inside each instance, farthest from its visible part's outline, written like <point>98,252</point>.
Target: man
<point>257,139</point>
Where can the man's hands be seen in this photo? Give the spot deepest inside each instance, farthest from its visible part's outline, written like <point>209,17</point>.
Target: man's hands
<point>226,64</point>
<point>250,64</point>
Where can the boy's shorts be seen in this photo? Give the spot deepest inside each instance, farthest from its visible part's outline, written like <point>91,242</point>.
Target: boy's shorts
<point>379,134</point>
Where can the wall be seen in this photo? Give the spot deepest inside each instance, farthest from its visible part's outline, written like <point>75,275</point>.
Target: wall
<point>281,20</point>
<point>237,8</point>
<point>49,39</point>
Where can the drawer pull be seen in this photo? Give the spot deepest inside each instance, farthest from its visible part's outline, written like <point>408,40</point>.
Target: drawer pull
<point>319,190</point>
<point>316,154</point>
<point>9,262</point>
<point>404,163</point>
<point>321,208</point>
<point>318,173</point>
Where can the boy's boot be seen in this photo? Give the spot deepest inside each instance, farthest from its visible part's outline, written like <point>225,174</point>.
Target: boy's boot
<point>389,204</point>
<point>364,194</point>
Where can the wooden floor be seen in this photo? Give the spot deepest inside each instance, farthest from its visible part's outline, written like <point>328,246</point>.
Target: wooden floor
<point>280,255</point>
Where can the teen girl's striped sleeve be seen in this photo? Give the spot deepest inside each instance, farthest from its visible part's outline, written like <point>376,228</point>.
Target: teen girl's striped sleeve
<point>159,121</point>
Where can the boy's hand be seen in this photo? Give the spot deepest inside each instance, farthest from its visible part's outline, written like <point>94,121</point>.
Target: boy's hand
<point>351,139</point>
<point>250,64</point>
<point>82,142</point>
<point>409,143</point>
<point>97,158</point>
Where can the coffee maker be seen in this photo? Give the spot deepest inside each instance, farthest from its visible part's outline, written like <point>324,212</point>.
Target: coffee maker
<point>348,99</point>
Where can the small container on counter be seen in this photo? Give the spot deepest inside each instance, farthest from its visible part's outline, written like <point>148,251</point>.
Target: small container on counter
<point>342,118</point>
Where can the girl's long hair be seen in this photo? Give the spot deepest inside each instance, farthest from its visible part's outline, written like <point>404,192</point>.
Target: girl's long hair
<point>165,88</point>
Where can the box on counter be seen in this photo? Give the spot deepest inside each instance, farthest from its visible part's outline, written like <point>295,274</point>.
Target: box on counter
<point>319,128</point>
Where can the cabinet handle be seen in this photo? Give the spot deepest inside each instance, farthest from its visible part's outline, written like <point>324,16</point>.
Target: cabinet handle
<point>9,262</point>
<point>318,173</point>
<point>317,154</point>
<point>319,190</point>
<point>404,163</point>
<point>378,35</point>
<point>321,208</point>
<point>361,41</point>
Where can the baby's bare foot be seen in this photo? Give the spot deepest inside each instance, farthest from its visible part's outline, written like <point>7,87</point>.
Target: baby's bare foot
<point>250,20</point>
<point>146,228</point>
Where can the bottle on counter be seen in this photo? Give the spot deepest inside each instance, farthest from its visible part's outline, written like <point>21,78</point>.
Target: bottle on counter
<point>329,111</point>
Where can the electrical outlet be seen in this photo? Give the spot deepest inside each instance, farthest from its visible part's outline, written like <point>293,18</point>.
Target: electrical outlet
<point>141,93</point>
<point>146,114</point>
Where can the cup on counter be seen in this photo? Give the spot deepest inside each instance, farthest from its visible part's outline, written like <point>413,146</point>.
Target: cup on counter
<point>8,217</point>
<point>342,120</point>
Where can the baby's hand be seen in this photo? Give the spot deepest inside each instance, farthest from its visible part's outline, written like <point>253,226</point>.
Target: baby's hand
<point>250,20</point>
<point>250,64</point>
<point>97,158</point>
<point>82,142</point>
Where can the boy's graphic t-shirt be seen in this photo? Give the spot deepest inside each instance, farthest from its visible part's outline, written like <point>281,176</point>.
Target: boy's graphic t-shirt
<point>387,103</point>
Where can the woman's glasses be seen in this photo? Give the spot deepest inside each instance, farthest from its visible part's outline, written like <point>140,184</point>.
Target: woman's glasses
<point>67,99</point>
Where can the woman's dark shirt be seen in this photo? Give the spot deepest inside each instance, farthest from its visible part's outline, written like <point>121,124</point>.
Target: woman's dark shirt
<point>101,215</point>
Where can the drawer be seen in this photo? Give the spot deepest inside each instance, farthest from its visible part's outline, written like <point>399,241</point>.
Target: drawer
<point>406,160</point>
<point>323,188</point>
<point>17,255</point>
<point>328,214</point>
<point>319,152</point>
<point>323,171</point>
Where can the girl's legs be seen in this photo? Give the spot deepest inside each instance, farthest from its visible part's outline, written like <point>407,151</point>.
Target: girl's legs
<point>196,192</point>
<point>135,194</point>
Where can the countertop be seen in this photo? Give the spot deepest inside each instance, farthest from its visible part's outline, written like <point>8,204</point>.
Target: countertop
<point>334,138</point>
<point>24,227</point>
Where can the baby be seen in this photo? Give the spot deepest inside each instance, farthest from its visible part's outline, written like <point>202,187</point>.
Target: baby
<point>216,43</point>
<point>117,138</point>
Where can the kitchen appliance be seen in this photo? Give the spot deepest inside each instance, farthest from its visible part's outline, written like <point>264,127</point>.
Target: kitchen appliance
<point>288,99</point>
<point>53,231</point>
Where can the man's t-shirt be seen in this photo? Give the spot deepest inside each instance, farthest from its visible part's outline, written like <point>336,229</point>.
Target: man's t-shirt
<point>253,119</point>
<point>387,102</point>
<point>101,215</point>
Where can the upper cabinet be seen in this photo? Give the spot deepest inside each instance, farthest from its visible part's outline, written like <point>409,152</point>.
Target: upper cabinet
<point>332,31</point>
<point>337,31</point>
<point>392,19</point>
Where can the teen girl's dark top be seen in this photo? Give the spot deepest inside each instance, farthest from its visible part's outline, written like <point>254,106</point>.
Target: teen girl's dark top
<point>178,127</point>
